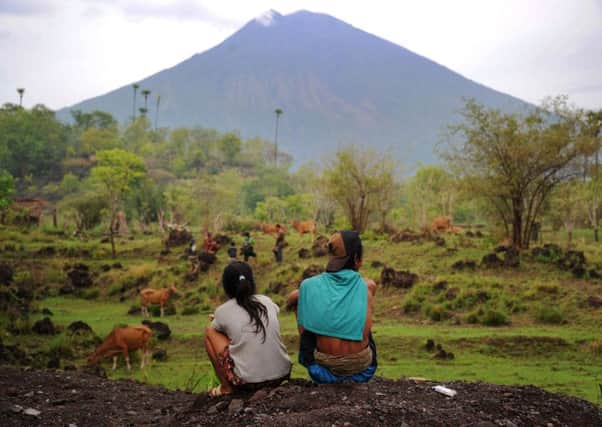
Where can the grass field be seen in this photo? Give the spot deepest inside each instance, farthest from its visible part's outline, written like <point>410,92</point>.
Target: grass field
<point>549,336</point>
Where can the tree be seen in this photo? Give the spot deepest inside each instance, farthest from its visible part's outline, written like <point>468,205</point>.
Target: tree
<point>116,173</point>
<point>157,111</point>
<point>146,93</point>
<point>566,202</point>
<point>593,189</point>
<point>514,161</point>
<point>278,112</point>
<point>7,188</point>
<point>431,192</point>
<point>357,180</point>
<point>135,86</point>
<point>229,144</point>
<point>20,91</point>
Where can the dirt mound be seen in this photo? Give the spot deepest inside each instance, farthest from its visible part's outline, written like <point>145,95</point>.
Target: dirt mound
<point>33,397</point>
<point>397,279</point>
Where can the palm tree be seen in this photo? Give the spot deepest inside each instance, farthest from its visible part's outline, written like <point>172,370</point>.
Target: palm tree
<point>135,86</point>
<point>145,93</point>
<point>20,91</point>
<point>278,112</point>
<point>157,111</point>
<point>143,111</point>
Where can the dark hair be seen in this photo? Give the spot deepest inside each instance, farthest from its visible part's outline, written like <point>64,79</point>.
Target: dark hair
<point>238,283</point>
<point>356,251</point>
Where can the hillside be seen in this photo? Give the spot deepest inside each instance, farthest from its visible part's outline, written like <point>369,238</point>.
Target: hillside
<point>336,84</point>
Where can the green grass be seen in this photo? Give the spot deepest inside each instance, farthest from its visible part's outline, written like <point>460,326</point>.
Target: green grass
<point>552,338</point>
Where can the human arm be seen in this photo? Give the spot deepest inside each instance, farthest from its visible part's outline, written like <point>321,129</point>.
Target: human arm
<point>292,300</point>
<point>371,284</point>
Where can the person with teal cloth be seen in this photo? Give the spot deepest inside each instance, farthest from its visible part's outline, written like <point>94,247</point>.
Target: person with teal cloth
<point>338,305</point>
<point>334,315</point>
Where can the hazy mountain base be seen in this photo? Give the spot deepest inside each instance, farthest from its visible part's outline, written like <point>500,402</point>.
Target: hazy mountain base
<point>81,399</point>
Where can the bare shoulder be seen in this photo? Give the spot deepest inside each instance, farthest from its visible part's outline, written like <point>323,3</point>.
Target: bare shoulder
<point>371,284</point>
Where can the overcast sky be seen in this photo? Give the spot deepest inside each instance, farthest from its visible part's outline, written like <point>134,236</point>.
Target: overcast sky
<point>64,51</point>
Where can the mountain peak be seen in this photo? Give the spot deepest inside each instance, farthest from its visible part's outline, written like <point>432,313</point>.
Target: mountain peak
<point>268,18</point>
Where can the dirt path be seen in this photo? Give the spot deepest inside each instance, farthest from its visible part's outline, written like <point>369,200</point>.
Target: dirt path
<point>72,398</point>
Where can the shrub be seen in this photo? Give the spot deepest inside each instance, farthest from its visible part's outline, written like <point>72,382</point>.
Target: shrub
<point>115,289</point>
<point>411,306</point>
<point>494,318</point>
<point>436,313</point>
<point>550,315</point>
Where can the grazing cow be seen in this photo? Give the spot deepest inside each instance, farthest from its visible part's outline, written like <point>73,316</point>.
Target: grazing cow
<point>271,228</point>
<point>156,296</point>
<point>303,227</point>
<point>123,340</point>
<point>441,224</point>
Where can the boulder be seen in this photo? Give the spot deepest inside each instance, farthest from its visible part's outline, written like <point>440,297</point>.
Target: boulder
<point>511,257</point>
<point>44,327</point>
<point>6,274</point>
<point>397,279</point>
<point>491,260</point>
<point>464,265</point>
<point>159,355</point>
<point>79,328</point>
<point>160,329</point>
<point>311,271</point>
<point>80,276</point>
<point>319,247</point>
<point>440,285</point>
<point>594,301</point>
<point>376,264</point>
<point>178,237</point>
<point>304,253</point>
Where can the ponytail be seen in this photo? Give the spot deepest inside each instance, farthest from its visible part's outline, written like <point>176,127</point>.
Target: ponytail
<point>239,284</point>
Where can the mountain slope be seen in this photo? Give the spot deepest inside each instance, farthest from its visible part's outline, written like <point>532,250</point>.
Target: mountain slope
<point>335,83</point>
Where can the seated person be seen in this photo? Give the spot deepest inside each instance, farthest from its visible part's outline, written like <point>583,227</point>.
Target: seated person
<point>334,316</point>
<point>209,244</point>
<point>243,341</point>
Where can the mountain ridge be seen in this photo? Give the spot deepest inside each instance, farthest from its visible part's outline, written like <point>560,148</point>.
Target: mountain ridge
<point>337,84</point>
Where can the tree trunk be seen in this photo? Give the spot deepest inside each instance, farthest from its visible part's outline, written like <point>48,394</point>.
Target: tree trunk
<point>112,236</point>
<point>517,224</point>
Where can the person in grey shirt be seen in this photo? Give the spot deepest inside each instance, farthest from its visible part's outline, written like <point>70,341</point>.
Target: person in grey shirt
<point>243,341</point>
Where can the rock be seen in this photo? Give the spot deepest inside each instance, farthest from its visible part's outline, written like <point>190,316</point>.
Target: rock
<point>277,288</point>
<point>512,257</point>
<point>105,267</point>
<point>160,329</point>
<point>311,271</point>
<point>44,327</point>
<point>135,310</point>
<point>66,289</point>
<point>164,252</point>
<point>47,251</point>
<point>117,266</point>
<point>6,274</point>
<point>397,279</point>
<point>319,247</point>
<point>32,412</point>
<point>439,241</point>
<point>593,274</point>
<point>376,264</point>
<point>258,396</point>
<point>572,260</point>
<point>17,409</point>
<point>491,260</point>
<point>440,285</point>
<point>594,301</point>
<point>160,355</point>
<point>80,276</point>
<point>178,237</point>
<point>79,327</point>
<point>304,253</point>
<point>430,345</point>
<point>46,312</point>
<point>407,235</point>
<point>235,406</point>
<point>464,265</point>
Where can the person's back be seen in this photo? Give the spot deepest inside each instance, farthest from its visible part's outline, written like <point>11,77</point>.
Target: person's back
<point>334,314</point>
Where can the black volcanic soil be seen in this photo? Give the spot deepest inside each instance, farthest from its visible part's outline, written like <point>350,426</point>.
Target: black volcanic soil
<point>74,398</point>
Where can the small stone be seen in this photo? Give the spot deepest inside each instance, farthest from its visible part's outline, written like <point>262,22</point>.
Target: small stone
<point>32,412</point>
<point>249,410</point>
<point>235,406</point>
<point>212,410</point>
<point>29,394</point>
<point>259,395</point>
<point>72,425</point>
<point>17,409</point>
<point>380,394</point>
<point>132,413</point>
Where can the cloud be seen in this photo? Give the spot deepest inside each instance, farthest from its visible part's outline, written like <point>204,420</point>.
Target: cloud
<point>26,7</point>
<point>176,9</point>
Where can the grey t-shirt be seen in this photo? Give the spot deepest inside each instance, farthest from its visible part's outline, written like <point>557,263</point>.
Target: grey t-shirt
<point>254,360</point>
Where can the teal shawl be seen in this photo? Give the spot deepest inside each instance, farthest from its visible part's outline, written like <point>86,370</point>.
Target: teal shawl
<point>334,305</point>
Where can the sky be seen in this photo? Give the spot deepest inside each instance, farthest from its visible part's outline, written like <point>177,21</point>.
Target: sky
<point>65,51</point>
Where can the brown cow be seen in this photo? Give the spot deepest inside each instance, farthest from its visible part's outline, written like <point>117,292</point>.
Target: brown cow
<point>123,340</point>
<point>155,296</point>
<point>271,228</point>
<point>304,227</point>
<point>441,224</point>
